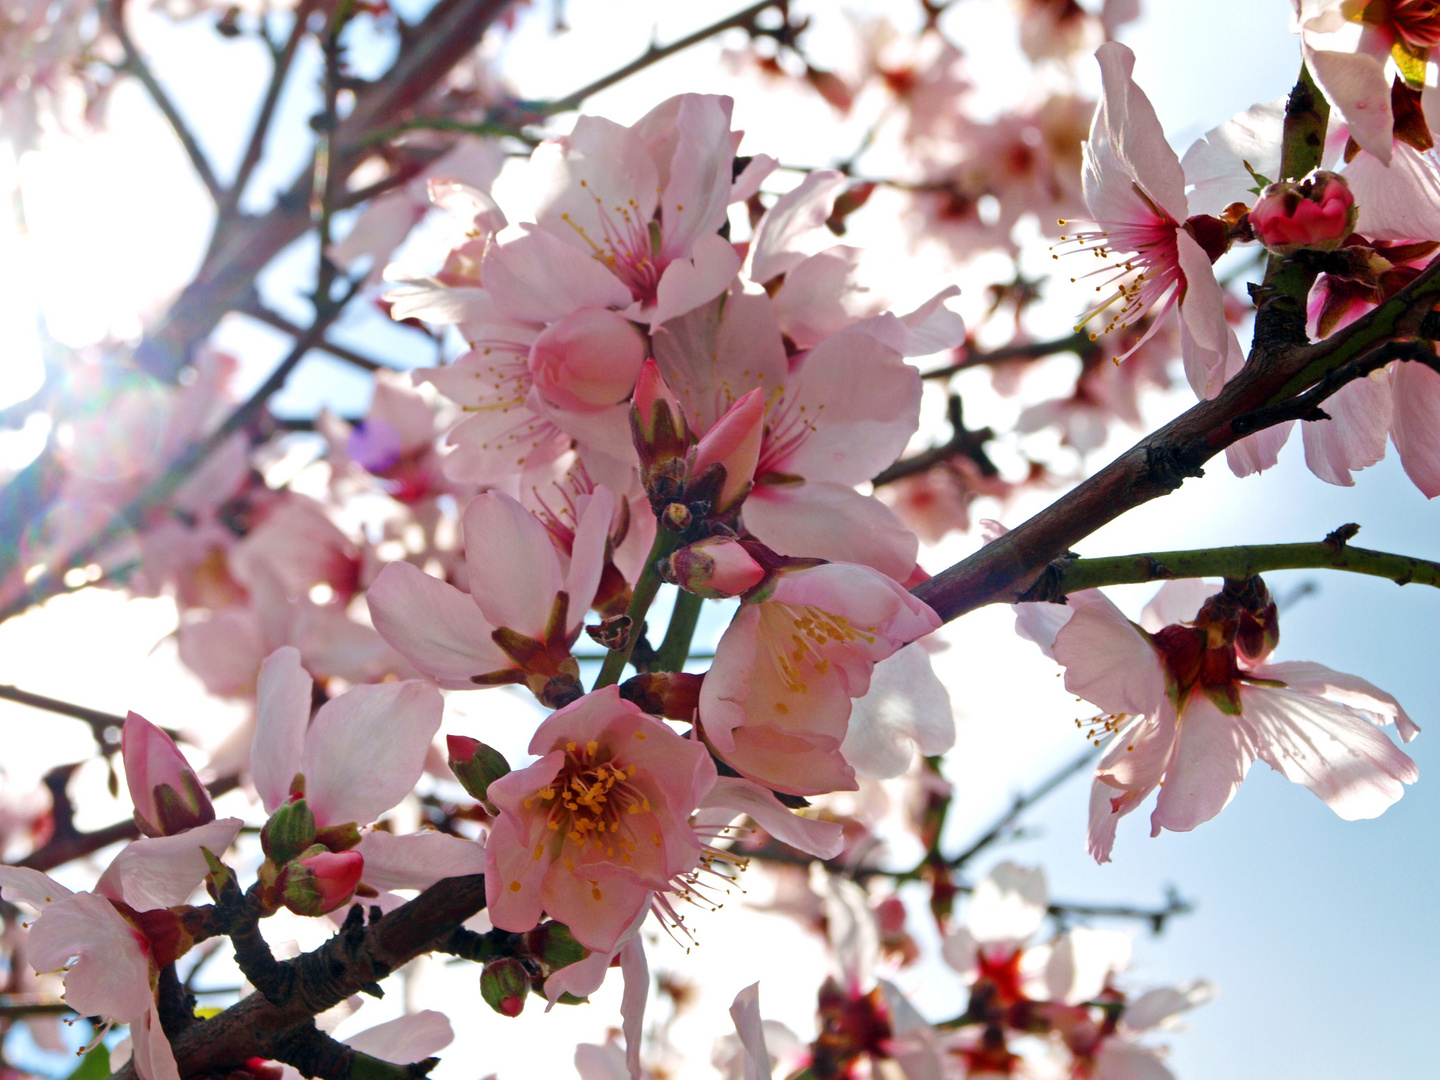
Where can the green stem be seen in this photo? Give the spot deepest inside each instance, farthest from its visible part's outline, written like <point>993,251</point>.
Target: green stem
<point>675,649</point>
<point>1243,561</point>
<point>640,600</point>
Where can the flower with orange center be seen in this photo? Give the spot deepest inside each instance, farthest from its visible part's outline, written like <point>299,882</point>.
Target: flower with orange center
<point>599,824</point>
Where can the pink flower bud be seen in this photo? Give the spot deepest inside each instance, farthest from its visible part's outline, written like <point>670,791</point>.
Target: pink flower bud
<point>733,442</point>
<point>322,882</point>
<point>660,434</point>
<point>587,361</point>
<point>651,393</point>
<point>167,794</point>
<point>713,568</point>
<point>1318,212</point>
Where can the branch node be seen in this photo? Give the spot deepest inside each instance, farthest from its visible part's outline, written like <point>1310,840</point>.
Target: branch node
<point>1170,467</point>
<point>1337,538</point>
<point>1048,588</point>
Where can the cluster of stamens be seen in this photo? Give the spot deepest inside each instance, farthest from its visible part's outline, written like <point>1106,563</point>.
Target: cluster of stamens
<point>586,801</point>
<point>627,248</point>
<point>1099,728</point>
<point>812,632</point>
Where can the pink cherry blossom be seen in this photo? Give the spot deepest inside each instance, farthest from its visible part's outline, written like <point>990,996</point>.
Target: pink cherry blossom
<point>520,583</point>
<point>1135,190</point>
<point>646,202</point>
<point>599,824</point>
<point>1193,713</point>
<point>776,703</point>
<point>819,439</point>
<point>1318,213</point>
<point>360,756</point>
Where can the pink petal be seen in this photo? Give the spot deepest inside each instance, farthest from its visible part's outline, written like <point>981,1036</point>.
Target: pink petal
<point>1135,132</point>
<point>1354,436</point>
<point>282,712</point>
<point>153,1057</point>
<point>906,710</point>
<point>1107,806</point>
<point>598,907</point>
<point>632,1003</point>
<point>366,750</point>
<point>435,626</point>
<point>822,296</point>
<point>587,554</point>
<point>1365,698</point>
<point>112,975</point>
<point>795,214</point>
<point>1329,748</point>
<point>1213,752</point>
<point>1206,340</point>
<point>745,1012</point>
<point>712,356</point>
<point>689,282</point>
<point>1215,163</point>
<point>1107,660</point>
<point>599,181</point>
<point>1359,90</point>
<point>417,860</point>
<point>21,885</point>
<point>831,521</point>
<point>1415,425</point>
<point>164,871</point>
<point>1399,201</point>
<point>537,277</point>
<point>848,437</point>
<point>1121,1060</point>
<point>822,839</point>
<point>693,206</point>
<point>1258,452</point>
<point>1041,623</point>
<point>750,178</point>
<point>514,568</point>
<point>933,327</point>
<point>405,1039</point>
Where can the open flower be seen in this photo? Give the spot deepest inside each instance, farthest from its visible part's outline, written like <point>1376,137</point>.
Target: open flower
<point>776,703</point>
<point>591,831</point>
<point>1135,190</point>
<point>525,608</point>
<point>1193,705</point>
<point>360,756</point>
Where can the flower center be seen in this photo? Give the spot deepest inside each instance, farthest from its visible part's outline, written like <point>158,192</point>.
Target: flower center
<point>627,246</point>
<point>588,799</point>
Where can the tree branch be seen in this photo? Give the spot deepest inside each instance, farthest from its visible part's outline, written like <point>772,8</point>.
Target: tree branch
<point>356,957</point>
<point>1029,350</point>
<point>962,443</point>
<point>744,20</point>
<point>1332,553</point>
<point>1003,570</point>
<point>134,64</point>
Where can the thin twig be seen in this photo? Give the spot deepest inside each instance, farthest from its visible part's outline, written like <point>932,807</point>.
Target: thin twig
<point>134,63</point>
<point>273,318</point>
<point>1022,803</point>
<point>740,20</point>
<point>1030,350</point>
<point>255,147</point>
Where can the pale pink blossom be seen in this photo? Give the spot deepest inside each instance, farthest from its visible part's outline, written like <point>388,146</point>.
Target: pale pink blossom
<point>362,754</point>
<point>599,824</point>
<point>776,702</point>
<point>526,605</point>
<point>646,202</point>
<point>1196,712</point>
<point>819,439</point>
<point>1135,190</point>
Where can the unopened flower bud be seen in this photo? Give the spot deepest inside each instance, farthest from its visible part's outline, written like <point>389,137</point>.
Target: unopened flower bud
<point>734,444</point>
<point>714,568</point>
<point>475,765</point>
<point>1318,213</point>
<point>321,882</point>
<point>167,794</point>
<point>554,946</point>
<point>588,361</point>
<point>504,983</point>
<point>657,423</point>
<point>290,830</point>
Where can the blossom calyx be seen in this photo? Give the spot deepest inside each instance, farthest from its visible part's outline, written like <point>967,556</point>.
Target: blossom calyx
<point>715,568</point>
<point>552,944</point>
<point>1317,213</point>
<point>167,794</point>
<point>476,766</point>
<point>674,695</point>
<point>504,984</point>
<point>290,831</point>
<point>321,881</point>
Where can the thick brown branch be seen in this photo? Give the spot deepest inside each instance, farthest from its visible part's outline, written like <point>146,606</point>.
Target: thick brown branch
<point>353,959</point>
